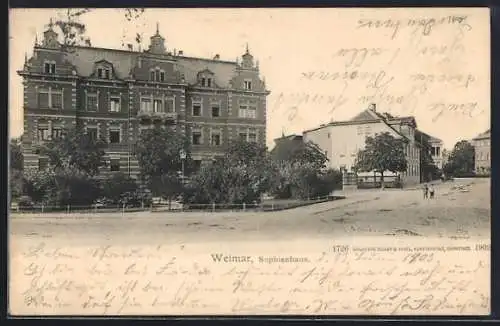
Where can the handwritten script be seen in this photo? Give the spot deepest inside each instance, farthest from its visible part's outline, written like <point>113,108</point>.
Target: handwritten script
<point>408,62</point>
<point>340,279</point>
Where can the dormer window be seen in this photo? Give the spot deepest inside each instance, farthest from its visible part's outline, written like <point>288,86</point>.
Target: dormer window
<point>248,85</point>
<point>104,73</point>
<point>206,78</point>
<point>50,67</point>
<point>157,75</point>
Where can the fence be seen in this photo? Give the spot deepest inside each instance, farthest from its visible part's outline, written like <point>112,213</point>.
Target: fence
<point>267,205</point>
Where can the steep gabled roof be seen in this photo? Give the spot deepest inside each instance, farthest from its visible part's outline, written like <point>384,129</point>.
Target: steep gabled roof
<point>123,61</point>
<point>484,135</point>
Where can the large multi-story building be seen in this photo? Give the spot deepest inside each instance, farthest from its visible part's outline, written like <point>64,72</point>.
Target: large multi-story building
<point>114,94</point>
<point>482,151</point>
<point>341,140</point>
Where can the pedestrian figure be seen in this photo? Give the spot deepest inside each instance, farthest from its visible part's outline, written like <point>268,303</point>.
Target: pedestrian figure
<point>431,191</point>
<point>426,191</point>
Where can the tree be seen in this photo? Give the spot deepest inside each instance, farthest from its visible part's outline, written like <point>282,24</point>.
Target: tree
<point>119,188</point>
<point>382,153</point>
<point>241,175</point>
<point>16,177</point>
<point>16,154</point>
<point>158,152</point>
<point>40,185</point>
<point>297,169</point>
<point>461,160</point>
<point>73,31</point>
<point>75,150</point>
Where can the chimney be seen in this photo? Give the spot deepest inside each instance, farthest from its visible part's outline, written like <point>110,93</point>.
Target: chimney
<point>373,107</point>
<point>181,52</point>
<point>217,57</point>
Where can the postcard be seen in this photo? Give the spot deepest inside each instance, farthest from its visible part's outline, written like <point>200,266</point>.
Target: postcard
<point>263,161</point>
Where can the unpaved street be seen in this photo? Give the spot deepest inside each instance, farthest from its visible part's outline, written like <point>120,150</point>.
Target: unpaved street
<point>460,210</point>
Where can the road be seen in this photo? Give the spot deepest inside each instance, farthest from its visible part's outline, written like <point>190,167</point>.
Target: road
<point>454,213</point>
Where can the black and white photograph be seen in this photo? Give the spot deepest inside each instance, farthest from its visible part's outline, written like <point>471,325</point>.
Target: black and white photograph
<point>249,161</point>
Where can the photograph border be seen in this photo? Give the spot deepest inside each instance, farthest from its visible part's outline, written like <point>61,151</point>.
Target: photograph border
<point>495,96</point>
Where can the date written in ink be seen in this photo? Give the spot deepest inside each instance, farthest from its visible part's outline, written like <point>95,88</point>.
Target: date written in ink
<point>482,247</point>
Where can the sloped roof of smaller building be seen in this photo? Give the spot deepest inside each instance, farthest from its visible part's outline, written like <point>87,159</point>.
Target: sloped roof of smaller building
<point>484,135</point>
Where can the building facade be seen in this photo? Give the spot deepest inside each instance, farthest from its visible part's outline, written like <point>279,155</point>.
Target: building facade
<point>114,94</point>
<point>342,140</point>
<point>482,153</point>
<point>437,151</point>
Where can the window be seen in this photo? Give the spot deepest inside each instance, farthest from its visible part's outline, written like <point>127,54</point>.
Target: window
<point>197,165</point>
<point>169,105</point>
<point>50,98</point>
<point>92,102</point>
<point>252,137</point>
<point>50,68</point>
<point>43,163</point>
<point>56,100</point>
<point>99,72</point>
<point>114,165</point>
<point>243,136</point>
<point>437,151</point>
<point>209,82</point>
<point>242,113</point>
<point>203,82</point>
<point>157,75</point>
<point>146,105</point>
<point>114,104</point>
<point>114,136</point>
<point>252,112</point>
<point>107,74</point>
<point>196,109</point>
<point>249,112</point>
<point>43,133</point>
<point>56,132</point>
<point>215,139</point>
<point>157,106</point>
<point>196,137</point>
<point>43,99</point>
<point>215,110</point>
<point>92,133</point>
<point>248,84</point>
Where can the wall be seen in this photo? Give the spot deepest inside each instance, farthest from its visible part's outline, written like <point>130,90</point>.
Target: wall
<point>482,149</point>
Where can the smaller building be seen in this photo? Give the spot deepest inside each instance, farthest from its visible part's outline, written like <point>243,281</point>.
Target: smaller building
<point>436,150</point>
<point>285,146</point>
<point>482,149</point>
<point>341,141</point>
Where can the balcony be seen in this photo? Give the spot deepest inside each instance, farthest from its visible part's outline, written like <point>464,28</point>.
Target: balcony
<point>147,115</point>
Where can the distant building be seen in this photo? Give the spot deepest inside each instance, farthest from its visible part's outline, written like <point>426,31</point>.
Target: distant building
<point>285,146</point>
<point>482,148</point>
<point>342,140</point>
<point>114,94</point>
<point>436,149</point>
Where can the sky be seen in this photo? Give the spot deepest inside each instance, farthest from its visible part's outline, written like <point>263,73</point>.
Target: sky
<point>320,65</point>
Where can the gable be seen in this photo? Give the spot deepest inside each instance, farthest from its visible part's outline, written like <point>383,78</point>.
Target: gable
<point>366,115</point>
